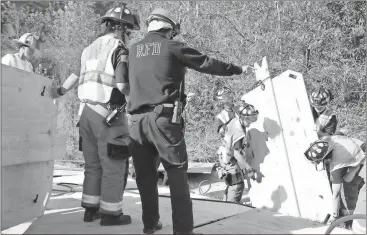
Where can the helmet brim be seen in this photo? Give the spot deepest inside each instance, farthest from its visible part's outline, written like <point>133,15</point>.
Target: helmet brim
<point>20,43</point>
<point>134,26</point>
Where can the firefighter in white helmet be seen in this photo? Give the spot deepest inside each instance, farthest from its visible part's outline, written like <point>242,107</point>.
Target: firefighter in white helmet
<point>21,60</point>
<point>234,167</point>
<point>325,119</point>
<point>102,88</point>
<point>343,158</point>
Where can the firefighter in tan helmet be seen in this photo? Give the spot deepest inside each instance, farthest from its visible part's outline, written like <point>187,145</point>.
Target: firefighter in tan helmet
<point>102,90</point>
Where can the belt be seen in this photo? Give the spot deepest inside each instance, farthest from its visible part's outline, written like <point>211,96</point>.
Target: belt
<point>150,108</point>
<point>99,109</point>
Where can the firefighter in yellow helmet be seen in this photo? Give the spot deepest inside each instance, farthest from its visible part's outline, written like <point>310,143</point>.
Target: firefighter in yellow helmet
<point>325,119</point>
<point>102,88</point>
<point>234,167</point>
<point>21,60</point>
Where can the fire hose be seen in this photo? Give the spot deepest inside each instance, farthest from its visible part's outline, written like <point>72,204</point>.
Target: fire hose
<point>342,220</point>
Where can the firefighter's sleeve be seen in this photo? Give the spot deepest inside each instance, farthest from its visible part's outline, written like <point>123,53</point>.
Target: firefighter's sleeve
<point>195,60</point>
<point>330,128</point>
<point>70,82</point>
<point>120,64</point>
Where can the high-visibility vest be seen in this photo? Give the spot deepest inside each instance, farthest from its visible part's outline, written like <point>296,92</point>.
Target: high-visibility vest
<point>224,116</point>
<point>97,76</point>
<point>234,133</point>
<point>15,61</point>
<point>346,153</point>
<point>324,119</point>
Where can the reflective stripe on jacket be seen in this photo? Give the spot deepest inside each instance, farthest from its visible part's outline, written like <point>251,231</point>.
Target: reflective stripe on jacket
<point>97,76</point>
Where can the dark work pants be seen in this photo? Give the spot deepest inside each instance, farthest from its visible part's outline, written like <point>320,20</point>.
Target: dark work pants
<point>154,138</point>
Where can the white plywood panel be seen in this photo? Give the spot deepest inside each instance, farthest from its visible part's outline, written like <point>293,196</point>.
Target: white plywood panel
<point>312,187</point>
<point>274,190</point>
<point>284,130</point>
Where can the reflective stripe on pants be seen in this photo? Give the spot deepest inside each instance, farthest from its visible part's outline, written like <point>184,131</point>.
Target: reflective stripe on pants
<point>104,176</point>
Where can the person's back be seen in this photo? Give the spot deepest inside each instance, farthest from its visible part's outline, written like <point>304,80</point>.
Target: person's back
<point>154,71</point>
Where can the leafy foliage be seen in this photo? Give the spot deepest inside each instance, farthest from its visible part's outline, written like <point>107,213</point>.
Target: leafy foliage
<point>234,31</point>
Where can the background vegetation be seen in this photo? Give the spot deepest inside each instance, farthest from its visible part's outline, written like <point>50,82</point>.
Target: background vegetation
<point>333,34</point>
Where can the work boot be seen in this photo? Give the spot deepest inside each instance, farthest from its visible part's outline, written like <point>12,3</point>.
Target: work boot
<point>91,214</point>
<point>110,220</point>
<point>152,230</point>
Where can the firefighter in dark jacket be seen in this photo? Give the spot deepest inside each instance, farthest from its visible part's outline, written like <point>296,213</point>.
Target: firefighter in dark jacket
<point>156,73</point>
<point>325,118</point>
<point>102,86</point>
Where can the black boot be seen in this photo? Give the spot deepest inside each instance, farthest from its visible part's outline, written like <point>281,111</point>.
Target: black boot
<point>110,220</point>
<point>91,214</point>
<point>152,230</point>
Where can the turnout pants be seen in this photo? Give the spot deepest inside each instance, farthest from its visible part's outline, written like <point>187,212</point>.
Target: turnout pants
<point>106,164</point>
<point>234,193</point>
<point>153,136</point>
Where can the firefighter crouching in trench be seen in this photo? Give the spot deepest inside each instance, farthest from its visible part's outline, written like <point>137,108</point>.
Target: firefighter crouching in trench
<point>343,157</point>
<point>234,167</point>
<point>103,85</point>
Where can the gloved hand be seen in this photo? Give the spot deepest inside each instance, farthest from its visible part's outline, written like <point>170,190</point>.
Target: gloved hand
<point>332,218</point>
<point>56,92</point>
<point>246,69</point>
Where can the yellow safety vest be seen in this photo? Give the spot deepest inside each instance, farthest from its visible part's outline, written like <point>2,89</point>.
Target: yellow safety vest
<point>324,119</point>
<point>97,76</point>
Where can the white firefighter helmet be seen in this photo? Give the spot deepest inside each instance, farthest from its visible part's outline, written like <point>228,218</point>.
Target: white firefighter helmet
<point>27,39</point>
<point>161,19</point>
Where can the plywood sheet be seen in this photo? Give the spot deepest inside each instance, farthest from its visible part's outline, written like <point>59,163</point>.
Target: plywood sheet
<point>20,186</point>
<point>26,103</point>
<point>54,222</point>
<point>28,148</point>
<point>266,222</point>
<point>284,130</point>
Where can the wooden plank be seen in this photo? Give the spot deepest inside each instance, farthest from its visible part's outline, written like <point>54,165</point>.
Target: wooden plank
<point>20,186</point>
<point>28,148</point>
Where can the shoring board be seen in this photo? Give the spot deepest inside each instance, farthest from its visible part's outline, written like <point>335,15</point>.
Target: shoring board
<point>290,184</point>
<point>25,190</point>
<point>29,144</point>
